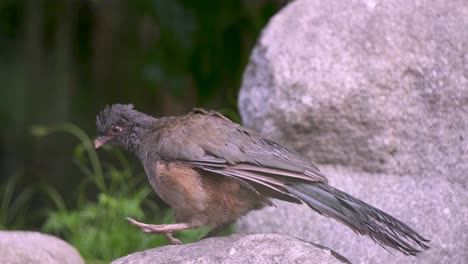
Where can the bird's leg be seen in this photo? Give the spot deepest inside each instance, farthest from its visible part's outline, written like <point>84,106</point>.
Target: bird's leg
<point>162,229</point>
<point>217,230</point>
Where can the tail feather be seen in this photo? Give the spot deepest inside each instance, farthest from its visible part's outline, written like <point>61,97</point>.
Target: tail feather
<point>360,217</point>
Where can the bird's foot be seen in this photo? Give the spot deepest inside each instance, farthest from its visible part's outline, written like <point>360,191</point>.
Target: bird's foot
<point>161,229</point>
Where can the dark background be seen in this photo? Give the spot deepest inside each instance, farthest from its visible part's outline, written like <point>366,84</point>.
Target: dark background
<point>64,60</point>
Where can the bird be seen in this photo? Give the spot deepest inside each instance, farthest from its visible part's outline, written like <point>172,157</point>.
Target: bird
<point>212,171</point>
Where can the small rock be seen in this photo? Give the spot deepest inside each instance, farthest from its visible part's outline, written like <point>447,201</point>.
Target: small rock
<point>19,247</point>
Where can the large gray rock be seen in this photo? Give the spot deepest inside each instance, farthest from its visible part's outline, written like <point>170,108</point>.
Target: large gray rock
<point>20,247</point>
<point>260,248</point>
<point>376,85</point>
<point>378,90</point>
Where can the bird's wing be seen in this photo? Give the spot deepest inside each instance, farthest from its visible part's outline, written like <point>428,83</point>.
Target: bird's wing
<point>211,142</point>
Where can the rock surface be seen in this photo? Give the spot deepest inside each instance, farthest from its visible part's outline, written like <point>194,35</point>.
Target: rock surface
<point>258,248</point>
<point>18,247</point>
<point>378,91</point>
<point>376,85</point>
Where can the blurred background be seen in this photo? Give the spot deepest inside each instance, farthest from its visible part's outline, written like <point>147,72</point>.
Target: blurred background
<point>61,61</point>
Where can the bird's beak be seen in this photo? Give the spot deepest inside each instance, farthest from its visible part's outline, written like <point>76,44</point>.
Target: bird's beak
<point>101,141</point>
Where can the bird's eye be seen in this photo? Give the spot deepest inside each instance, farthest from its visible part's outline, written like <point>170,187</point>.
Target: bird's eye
<point>116,129</point>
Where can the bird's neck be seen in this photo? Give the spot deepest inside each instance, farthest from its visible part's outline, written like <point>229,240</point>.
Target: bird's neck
<point>148,137</point>
<point>143,126</point>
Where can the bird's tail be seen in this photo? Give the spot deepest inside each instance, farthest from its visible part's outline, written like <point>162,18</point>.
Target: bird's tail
<point>360,217</point>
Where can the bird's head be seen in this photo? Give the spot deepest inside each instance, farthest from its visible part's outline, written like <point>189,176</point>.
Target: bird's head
<point>120,124</point>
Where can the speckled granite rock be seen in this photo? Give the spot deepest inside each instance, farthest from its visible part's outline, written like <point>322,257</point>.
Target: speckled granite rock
<point>257,248</point>
<point>378,90</point>
<point>20,247</point>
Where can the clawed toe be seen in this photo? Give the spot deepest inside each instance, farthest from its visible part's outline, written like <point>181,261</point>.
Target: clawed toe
<point>147,228</point>
<point>172,239</point>
<point>135,222</point>
<point>155,229</point>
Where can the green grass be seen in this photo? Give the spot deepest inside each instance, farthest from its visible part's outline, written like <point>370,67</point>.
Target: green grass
<point>14,203</point>
<point>96,226</point>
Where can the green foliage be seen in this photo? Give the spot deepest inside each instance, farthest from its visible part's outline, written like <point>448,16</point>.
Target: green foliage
<point>97,228</point>
<point>14,211</point>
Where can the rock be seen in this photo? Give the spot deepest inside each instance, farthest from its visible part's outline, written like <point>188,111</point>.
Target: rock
<point>257,248</point>
<point>33,247</point>
<point>377,91</point>
<point>380,86</point>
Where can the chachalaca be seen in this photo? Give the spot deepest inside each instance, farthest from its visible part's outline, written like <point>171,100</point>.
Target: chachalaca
<point>212,171</point>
